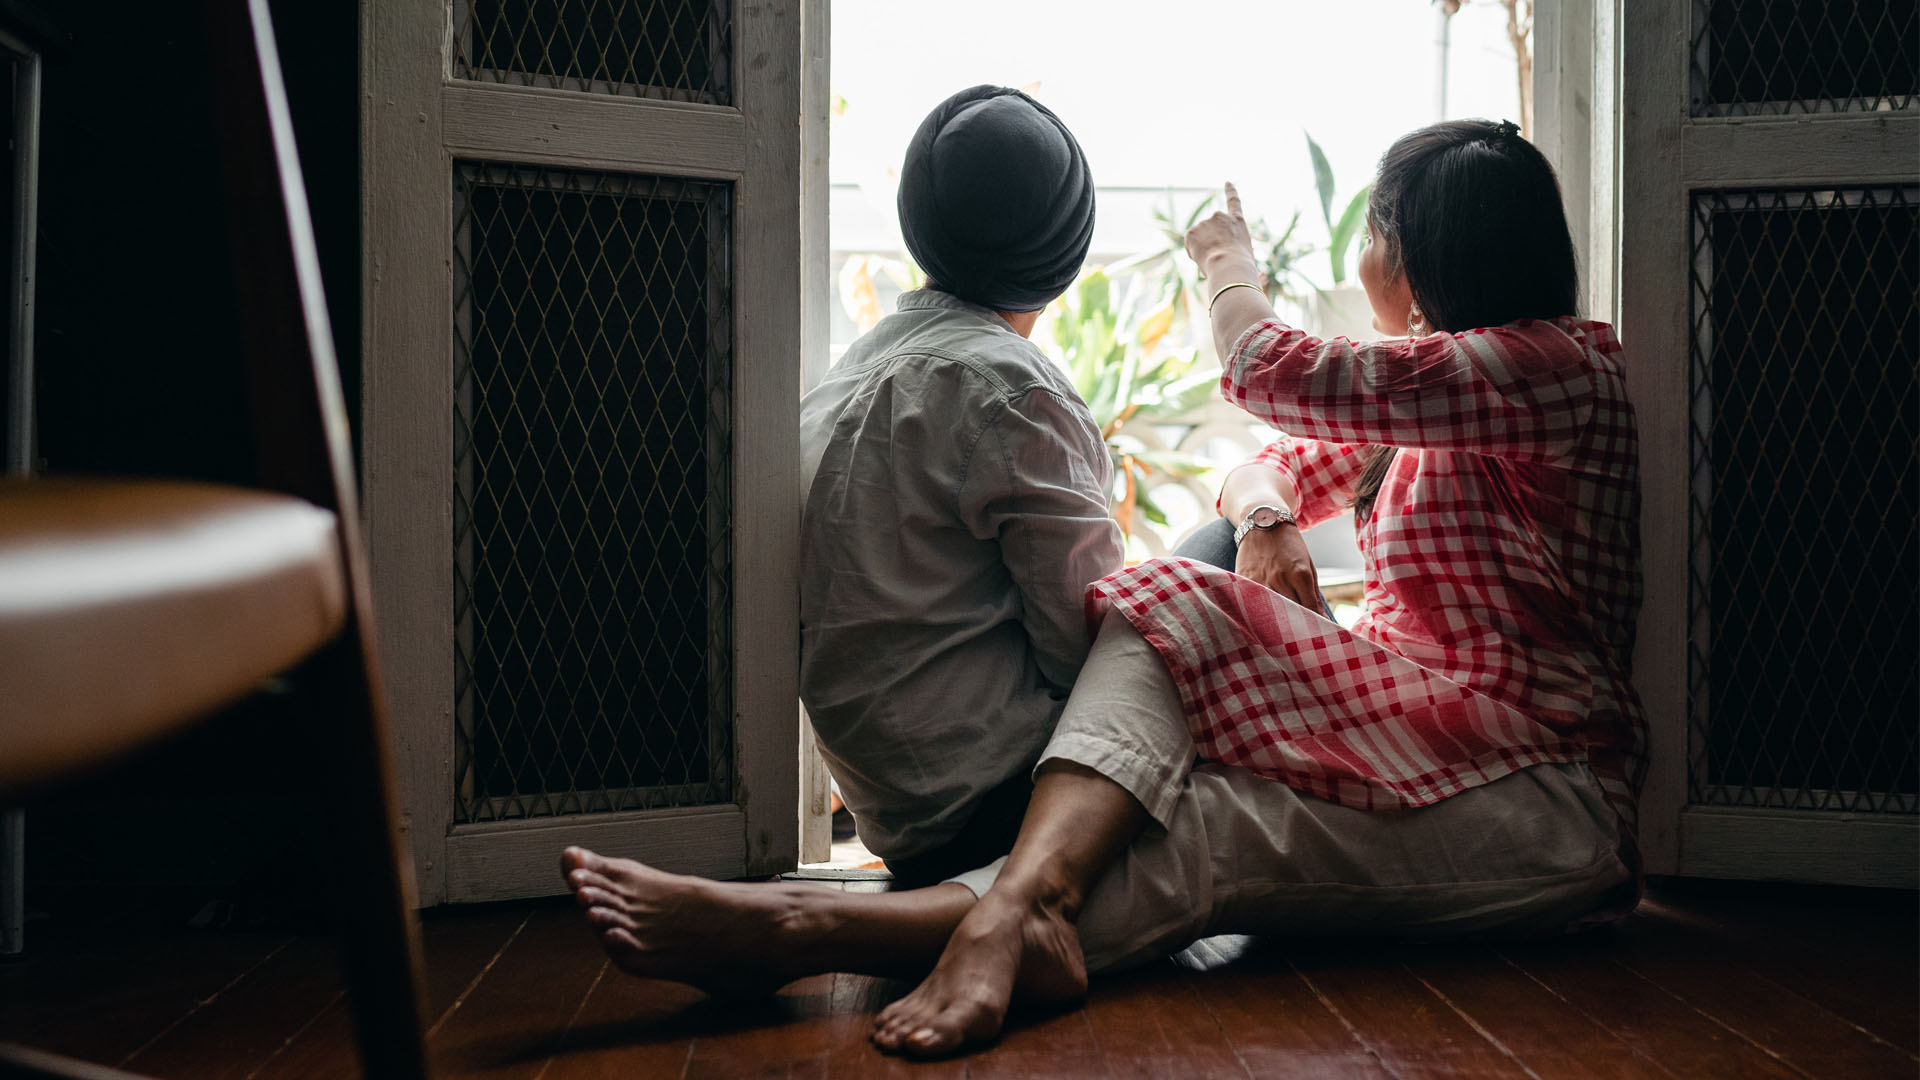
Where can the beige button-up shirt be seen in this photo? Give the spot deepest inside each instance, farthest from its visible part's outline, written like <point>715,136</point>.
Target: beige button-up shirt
<point>956,512</point>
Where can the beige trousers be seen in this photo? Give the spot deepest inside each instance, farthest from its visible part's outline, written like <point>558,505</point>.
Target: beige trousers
<point>1230,852</point>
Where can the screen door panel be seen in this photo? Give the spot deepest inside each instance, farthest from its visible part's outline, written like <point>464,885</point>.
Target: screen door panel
<point>676,50</point>
<point>592,406</point>
<point>566,412</point>
<point>1780,57</point>
<point>1767,286</point>
<point>1805,493</point>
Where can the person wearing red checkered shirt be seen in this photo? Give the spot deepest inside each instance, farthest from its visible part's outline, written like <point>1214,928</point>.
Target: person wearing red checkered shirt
<point>1464,761</point>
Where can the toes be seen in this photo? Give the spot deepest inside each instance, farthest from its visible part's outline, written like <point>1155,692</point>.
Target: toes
<point>894,1023</point>
<point>579,858</point>
<point>584,878</point>
<point>590,894</point>
<point>574,858</point>
<point>619,937</point>
<point>953,1029</point>
<point>928,1041</point>
<point>610,918</point>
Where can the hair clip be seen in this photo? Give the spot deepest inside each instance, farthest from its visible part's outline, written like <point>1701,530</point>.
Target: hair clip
<point>1509,129</point>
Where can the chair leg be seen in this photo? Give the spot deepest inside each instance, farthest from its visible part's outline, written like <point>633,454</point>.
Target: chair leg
<point>13,883</point>
<point>374,886</point>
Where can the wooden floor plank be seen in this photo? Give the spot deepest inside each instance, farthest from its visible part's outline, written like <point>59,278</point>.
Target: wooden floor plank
<point>1274,1023</point>
<point>851,1055</point>
<point>102,996</point>
<point>516,1017</point>
<point>1877,987</point>
<point>782,1038</point>
<point>236,1033</point>
<point>1039,1042</point>
<point>1152,1024</point>
<point>457,946</point>
<point>1397,1017</point>
<point>1582,973</point>
<point>1718,983</point>
<point>632,1027</point>
<point>1704,983</point>
<point>1545,1034</point>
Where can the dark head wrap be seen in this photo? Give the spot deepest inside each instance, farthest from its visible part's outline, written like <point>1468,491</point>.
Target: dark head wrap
<point>996,203</point>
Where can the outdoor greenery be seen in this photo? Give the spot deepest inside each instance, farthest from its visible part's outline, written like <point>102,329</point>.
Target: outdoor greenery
<point>1341,232</point>
<point>1117,341</point>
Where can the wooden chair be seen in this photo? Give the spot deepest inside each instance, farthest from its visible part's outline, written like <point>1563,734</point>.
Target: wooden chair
<point>129,609</point>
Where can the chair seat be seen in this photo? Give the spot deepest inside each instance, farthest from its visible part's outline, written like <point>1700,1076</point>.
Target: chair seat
<point>128,607</point>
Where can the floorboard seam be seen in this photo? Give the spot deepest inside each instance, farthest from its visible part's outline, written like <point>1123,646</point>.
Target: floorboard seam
<point>1472,1023</point>
<point>332,1003</point>
<point>560,1042</point>
<point>1352,1031</point>
<point>1728,936</point>
<point>1590,1018</point>
<point>1722,1024</point>
<point>474,983</point>
<point>202,1003</point>
<point>1193,992</point>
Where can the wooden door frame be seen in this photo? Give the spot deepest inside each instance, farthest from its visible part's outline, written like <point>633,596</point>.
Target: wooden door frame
<point>416,121</point>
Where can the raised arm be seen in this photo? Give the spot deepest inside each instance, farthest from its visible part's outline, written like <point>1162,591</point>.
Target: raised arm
<point>1523,391</point>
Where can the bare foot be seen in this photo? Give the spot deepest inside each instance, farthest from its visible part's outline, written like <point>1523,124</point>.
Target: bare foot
<point>1001,947</point>
<point>727,939</point>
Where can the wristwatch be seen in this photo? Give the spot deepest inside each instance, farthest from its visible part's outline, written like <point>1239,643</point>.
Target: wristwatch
<point>1262,517</point>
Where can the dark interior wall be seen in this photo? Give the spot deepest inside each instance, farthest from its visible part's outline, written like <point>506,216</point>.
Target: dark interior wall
<point>140,372</point>
<point>138,345</point>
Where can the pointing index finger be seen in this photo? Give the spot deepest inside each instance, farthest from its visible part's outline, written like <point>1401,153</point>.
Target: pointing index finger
<point>1233,200</point>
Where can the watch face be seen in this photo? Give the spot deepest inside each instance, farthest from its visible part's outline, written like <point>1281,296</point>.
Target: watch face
<point>1264,517</point>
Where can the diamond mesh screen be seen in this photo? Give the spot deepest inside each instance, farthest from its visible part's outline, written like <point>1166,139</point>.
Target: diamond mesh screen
<point>1804,584</point>
<point>592,357</point>
<point>679,50</point>
<point>1769,57</point>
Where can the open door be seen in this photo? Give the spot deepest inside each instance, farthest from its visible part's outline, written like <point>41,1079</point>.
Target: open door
<point>583,309</point>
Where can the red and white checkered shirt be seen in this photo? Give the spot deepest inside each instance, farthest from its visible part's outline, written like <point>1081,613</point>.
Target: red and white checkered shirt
<point>1502,571</point>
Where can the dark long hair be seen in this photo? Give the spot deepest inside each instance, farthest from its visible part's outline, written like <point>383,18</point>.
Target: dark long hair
<point>1471,213</point>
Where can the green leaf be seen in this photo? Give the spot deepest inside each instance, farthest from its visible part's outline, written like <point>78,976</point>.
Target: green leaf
<point>1352,219</point>
<point>1322,179</point>
<point>1187,393</point>
<point>1095,292</point>
<point>1194,218</point>
<point>1147,507</point>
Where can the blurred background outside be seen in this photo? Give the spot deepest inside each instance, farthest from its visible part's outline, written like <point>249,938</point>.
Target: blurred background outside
<point>1292,100</point>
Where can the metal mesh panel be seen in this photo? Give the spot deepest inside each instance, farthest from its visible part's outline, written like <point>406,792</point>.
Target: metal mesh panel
<point>1770,57</point>
<point>1804,583</point>
<point>592,359</point>
<point>679,50</point>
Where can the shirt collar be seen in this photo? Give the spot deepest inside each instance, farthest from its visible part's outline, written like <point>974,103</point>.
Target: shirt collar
<point>922,299</point>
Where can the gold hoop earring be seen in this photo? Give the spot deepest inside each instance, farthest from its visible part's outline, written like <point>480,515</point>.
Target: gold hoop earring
<point>1416,323</point>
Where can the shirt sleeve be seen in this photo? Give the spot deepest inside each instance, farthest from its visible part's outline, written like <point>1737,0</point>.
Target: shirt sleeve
<point>1523,391</point>
<point>1323,474</point>
<point>1037,481</point>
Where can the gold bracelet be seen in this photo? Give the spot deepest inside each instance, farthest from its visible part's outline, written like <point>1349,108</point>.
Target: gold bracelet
<point>1236,285</point>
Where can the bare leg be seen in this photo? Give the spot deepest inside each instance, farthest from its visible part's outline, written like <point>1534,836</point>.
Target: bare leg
<point>753,938</point>
<point>1020,935</point>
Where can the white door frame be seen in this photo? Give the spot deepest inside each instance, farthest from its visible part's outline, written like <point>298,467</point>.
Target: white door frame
<point>416,122</point>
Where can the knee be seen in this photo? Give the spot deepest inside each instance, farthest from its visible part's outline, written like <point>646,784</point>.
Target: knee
<point>1212,543</point>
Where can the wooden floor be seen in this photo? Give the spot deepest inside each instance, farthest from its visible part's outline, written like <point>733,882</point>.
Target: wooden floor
<point>1707,980</point>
